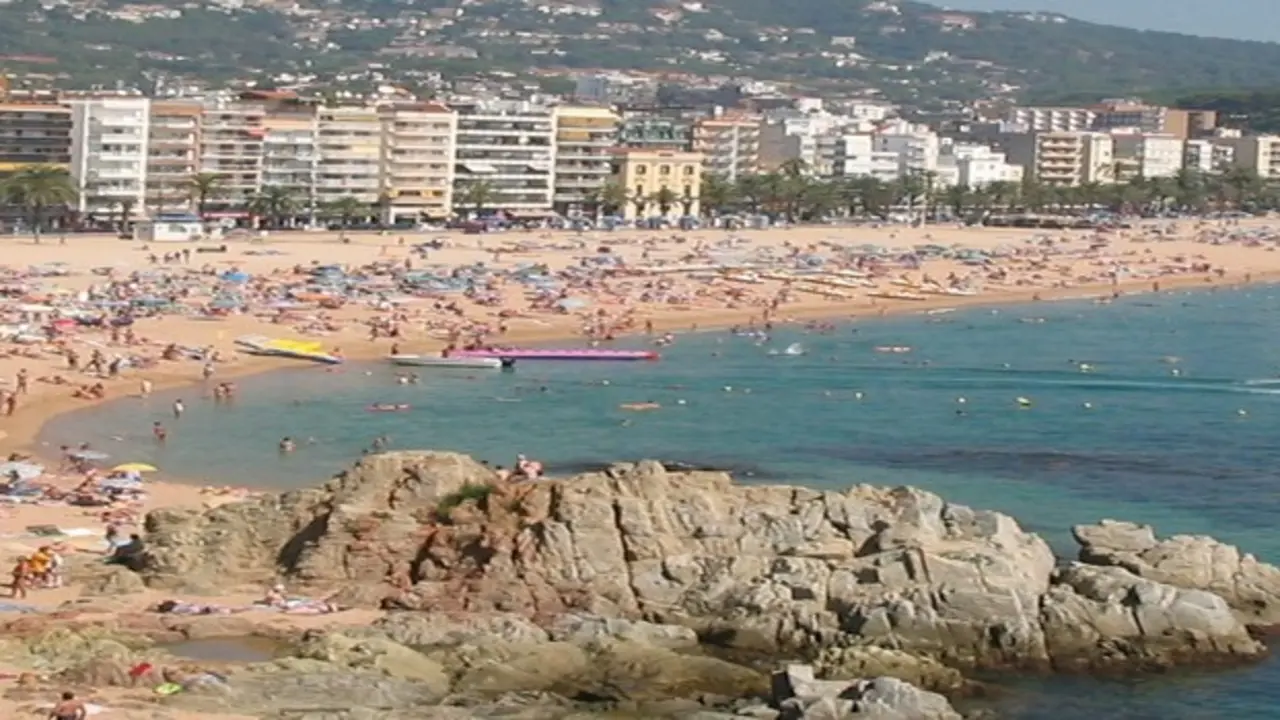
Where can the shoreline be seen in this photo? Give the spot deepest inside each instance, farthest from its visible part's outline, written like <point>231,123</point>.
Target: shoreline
<point>46,410</point>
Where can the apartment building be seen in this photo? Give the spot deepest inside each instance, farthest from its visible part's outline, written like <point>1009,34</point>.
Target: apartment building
<point>915,147</point>
<point>508,149</point>
<point>109,157</point>
<point>417,161</point>
<point>34,134</point>
<point>855,156</point>
<point>173,155</point>
<point>978,166</point>
<point>730,144</point>
<point>1063,158</point>
<point>1144,155</point>
<point>1051,119</point>
<point>584,137</point>
<point>348,155</point>
<point>290,149</point>
<point>650,132</point>
<point>231,135</point>
<point>647,173</point>
<point>1258,153</point>
<point>1208,156</point>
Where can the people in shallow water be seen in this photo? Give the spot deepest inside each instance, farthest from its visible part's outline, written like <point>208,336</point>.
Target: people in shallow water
<point>287,445</point>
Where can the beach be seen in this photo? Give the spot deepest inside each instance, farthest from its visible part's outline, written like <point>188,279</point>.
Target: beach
<point>1138,260</point>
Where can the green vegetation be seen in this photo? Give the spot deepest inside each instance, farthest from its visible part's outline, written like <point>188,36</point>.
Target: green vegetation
<point>38,190</point>
<point>467,493</point>
<point>797,197</point>
<point>909,56</point>
<point>1254,110</point>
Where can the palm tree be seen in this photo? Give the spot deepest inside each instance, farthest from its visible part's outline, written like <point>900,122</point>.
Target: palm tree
<point>957,197</point>
<point>126,212</point>
<point>608,199</point>
<point>715,194</point>
<point>345,209</point>
<point>477,194</point>
<point>274,203</point>
<point>37,188</point>
<point>204,187</point>
<point>641,201</point>
<point>665,199</point>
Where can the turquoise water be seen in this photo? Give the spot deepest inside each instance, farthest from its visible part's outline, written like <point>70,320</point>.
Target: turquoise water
<point>1187,445</point>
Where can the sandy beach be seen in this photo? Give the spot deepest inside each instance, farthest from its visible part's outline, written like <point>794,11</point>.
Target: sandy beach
<point>609,285</point>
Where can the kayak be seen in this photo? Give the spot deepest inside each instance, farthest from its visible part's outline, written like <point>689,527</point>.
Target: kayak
<point>555,354</point>
<point>436,361</point>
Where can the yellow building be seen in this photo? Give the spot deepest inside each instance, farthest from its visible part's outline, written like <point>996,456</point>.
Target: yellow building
<point>417,161</point>
<point>349,150</point>
<point>659,183</point>
<point>584,138</point>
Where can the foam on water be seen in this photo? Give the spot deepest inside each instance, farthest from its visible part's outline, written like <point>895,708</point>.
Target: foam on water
<point>1193,452</point>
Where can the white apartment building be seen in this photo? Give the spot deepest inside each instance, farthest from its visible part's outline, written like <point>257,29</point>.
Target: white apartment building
<point>916,147</point>
<point>417,161</point>
<point>808,137</point>
<point>1259,153</point>
<point>1063,158</point>
<point>1148,155</point>
<point>730,145</point>
<point>109,138</point>
<point>977,166</point>
<point>349,154</point>
<point>231,134</point>
<point>509,147</point>
<point>173,155</point>
<point>855,156</point>
<point>1052,119</point>
<point>1208,156</point>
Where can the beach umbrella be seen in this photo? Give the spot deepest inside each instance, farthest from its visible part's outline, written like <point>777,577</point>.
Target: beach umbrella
<point>89,455</point>
<point>134,467</point>
<point>22,471</point>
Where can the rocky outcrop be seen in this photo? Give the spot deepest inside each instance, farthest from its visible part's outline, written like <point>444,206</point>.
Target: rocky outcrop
<point>1252,588</point>
<point>798,695</point>
<point>771,568</point>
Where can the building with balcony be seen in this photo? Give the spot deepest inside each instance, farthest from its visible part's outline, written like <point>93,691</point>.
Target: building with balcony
<point>650,176</point>
<point>1052,119</point>
<point>978,166</point>
<point>231,135</point>
<point>109,156</point>
<point>290,156</point>
<point>730,144</point>
<point>1148,155</point>
<point>416,166</point>
<point>584,140</point>
<point>34,134</point>
<point>1258,153</point>
<point>507,149</point>
<point>1207,156</point>
<point>1063,158</point>
<point>349,149</point>
<point>654,132</point>
<point>173,155</point>
<point>854,155</point>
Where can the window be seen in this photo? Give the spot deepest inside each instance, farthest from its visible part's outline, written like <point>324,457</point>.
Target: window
<point>688,170</point>
<point>664,169</point>
<point>642,169</point>
<point>639,190</point>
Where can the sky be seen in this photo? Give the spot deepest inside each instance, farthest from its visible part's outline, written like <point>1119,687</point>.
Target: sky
<point>1243,19</point>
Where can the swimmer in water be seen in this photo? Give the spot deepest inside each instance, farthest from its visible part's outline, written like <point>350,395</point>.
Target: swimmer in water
<point>287,445</point>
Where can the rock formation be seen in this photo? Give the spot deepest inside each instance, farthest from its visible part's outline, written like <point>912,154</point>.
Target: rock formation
<point>772,568</point>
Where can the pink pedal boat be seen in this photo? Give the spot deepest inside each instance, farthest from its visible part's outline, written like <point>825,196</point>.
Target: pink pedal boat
<point>554,354</point>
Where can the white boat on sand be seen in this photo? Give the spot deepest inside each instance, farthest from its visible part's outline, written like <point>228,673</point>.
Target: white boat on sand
<point>438,361</point>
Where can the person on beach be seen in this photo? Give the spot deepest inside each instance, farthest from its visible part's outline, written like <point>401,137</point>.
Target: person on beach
<point>178,408</point>
<point>157,429</point>
<point>22,380</point>
<point>68,708</point>
<point>21,577</point>
<point>145,387</point>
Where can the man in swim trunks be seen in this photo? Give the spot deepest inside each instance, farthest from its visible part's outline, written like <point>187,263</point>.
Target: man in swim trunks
<point>69,708</point>
<point>21,579</point>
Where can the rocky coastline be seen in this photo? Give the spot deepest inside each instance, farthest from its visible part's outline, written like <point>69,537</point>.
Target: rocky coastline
<point>646,592</point>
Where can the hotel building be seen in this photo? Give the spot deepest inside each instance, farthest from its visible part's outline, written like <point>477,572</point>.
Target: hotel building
<point>646,173</point>
<point>231,135</point>
<point>109,157</point>
<point>349,145</point>
<point>583,161</point>
<point>173,155</point>
<point>416,166</point>
<point>509,147</point>
<point>1063,158</point>
<point>34,134</point>
<point>730,144</point>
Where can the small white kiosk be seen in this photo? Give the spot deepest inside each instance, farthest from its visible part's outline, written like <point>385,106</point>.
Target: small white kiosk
<point>169,227</point>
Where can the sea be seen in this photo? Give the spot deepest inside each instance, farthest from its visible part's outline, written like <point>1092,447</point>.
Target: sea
<point>1159,408</point>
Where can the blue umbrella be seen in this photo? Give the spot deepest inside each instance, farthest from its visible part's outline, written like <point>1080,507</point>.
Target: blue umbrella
<point>235,276</point>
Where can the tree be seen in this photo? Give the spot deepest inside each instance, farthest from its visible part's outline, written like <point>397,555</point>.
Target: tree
<point>126,212</point>
<point>665,199</point>
<point>38,188</point>
<point>477,195</point>
<point>957,197</point>
<point>274,203</point>
<point>345,209</point>
<point>715,194</point>
<point>204,187</point>
<point>608,199</point>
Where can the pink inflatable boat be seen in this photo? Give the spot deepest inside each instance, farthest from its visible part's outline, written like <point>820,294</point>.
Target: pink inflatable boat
<point>552,354</point>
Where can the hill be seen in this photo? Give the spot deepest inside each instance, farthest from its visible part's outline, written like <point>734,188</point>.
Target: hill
<point>911,51</point>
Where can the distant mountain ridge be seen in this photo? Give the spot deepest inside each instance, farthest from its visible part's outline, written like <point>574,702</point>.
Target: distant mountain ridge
<point>911,50</point>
